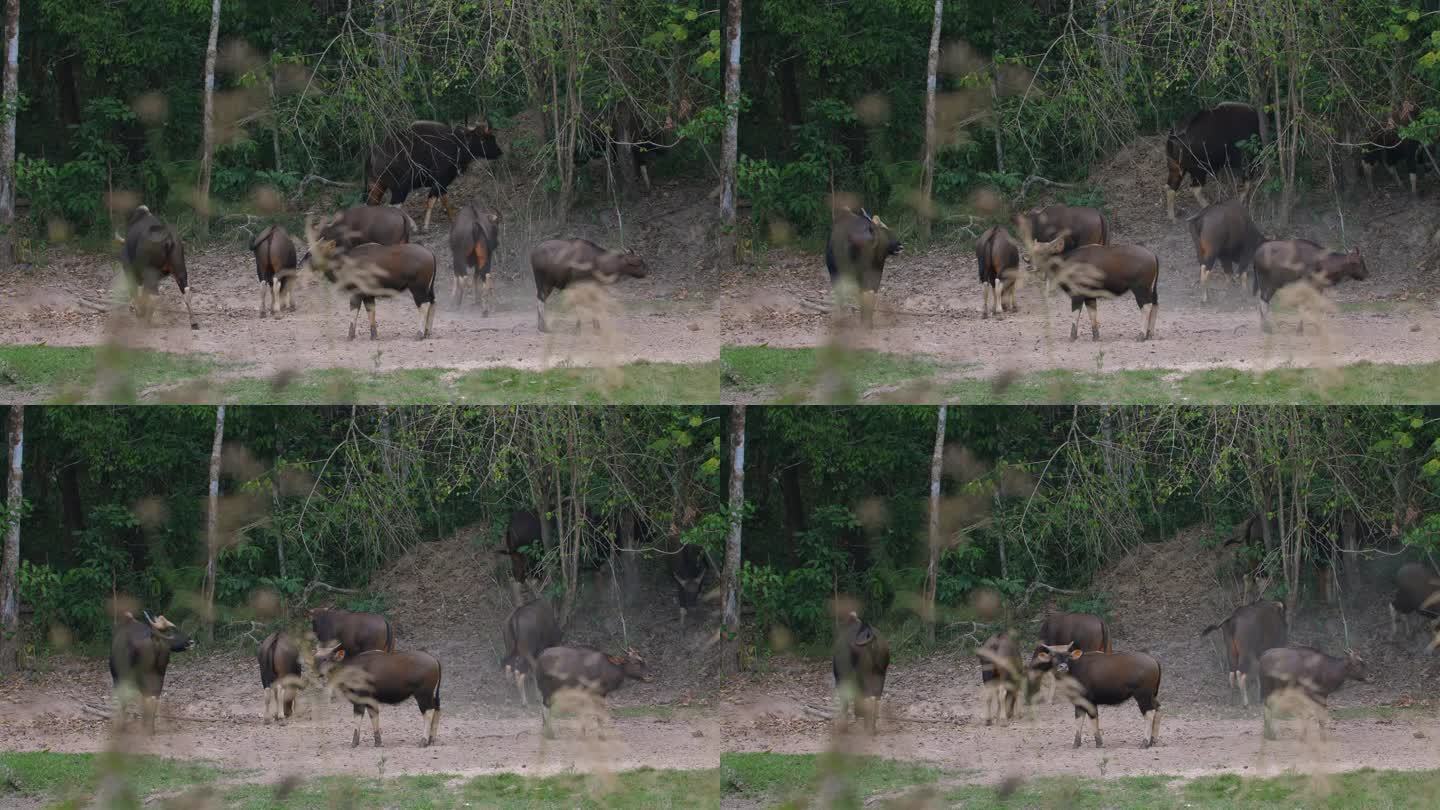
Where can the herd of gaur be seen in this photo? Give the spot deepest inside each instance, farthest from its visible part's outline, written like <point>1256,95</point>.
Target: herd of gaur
<point>366,250</point>
<point>1073,655</point>
<point>355,654</point>
<point>1071,245</point>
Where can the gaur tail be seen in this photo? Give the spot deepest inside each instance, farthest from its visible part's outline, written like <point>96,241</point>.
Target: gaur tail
<point>389,637</point>
<point>1105,639</point>
<point>1104,230</point>
<point>439,675</point>
<point>1207,631</point>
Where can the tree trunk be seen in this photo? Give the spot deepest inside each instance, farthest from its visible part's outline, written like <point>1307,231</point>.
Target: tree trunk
<point>730,607</point>
<point>8,108</point>
<point>995,110</point>
<point>932,572</point>
<point>275,491</point>
<point>10,559</point>
<point>927,175</point>
<point>730,144</point>
<point>212,524</point>
<point>207,143</point>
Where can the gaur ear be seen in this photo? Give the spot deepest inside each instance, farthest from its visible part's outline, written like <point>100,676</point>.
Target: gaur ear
<point>1074,654</point>
<point>339,654</point>
<point>495,218</point>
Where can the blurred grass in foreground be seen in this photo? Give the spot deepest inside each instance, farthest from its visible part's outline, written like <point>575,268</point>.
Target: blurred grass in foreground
<point>795,780</point>
<point>765,374</point>
<point>70,780</point>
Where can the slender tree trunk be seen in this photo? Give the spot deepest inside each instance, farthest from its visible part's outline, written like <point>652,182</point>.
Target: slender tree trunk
<point>730,607</point>
<point>275,491</point>
<point>212,523</point>
<point>207,144</point>
<point>730,144</point>
<point>932,572</point>
<point>10,559</point>
<point>927,175</point>
<point>8,106</point>
<point>995,108</point>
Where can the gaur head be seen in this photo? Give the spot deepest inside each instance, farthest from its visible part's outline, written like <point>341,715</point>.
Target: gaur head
<point>632,664</point>
<point>136,215</point>
<point>1347,265</point>
<point>689,589</point>
<point>326,658</point>
<point>1355,667</point>
<point>1174,173</point>
<point>164,629</point>
<point>480,141</point>
<point>624,263</point>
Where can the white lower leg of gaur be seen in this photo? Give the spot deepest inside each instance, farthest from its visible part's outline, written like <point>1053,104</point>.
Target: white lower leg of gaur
<point>188,310</point>
<point>487,293</point>
<point>1204,277</point>
<point>1147,321</point>
<point>520,687</point>
<point>427,314</point>
<point>375,723</point>
<point>999,302</point>
<point>1414,189</point>
<point>1170,203</point>
<point>1368,169</point>
<point>1244,689</point>
<point>1079,729</point>
<point>540,313</point>
<point>429,207</point>
<point>1394,626</point>
<point>867,307</point>
<point>266,288</point>
<point>1094,307</point>
<point>457,290</point>
<point>1396,174</point>
<point>985,304</point>
<point>432,725</point>
<point>269,701</point>
<point>1154,717</point>
<point>1199,196</point>
<point>1049,680</point>
<point>370,308</point>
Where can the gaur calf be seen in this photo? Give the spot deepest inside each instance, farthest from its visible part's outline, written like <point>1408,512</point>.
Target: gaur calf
<point>1309,674</point>
<point>998,258</point>
<point>474,238</point>
<point>153,250</point>
<point>1247,633</point>
<point>1416,589</point>
<point>689,573</point>
<point>1062,631</point>
<point>366,224</point>
<point>559,263</point>
<point>354,632</point>
<point>1224,233</point>
<point>529,630</point>
<point>856,252</point>
<point>585,670</point>
<point>280,674</point>
<point>1281,263</point>
<point>1073,226</point>
<point>275,262</point>
<point>139,656</point>
<point>1091,272</point>
<point>1094,679</point>
<point>371,271</point>
<point>1002,677</point>
<point>859,662</point>
<point>372,678</point>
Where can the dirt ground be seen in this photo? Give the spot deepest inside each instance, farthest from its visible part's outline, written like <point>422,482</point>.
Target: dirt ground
<point>932,709</point>
<point>665,317</point>
<point>930,302</point>
<point>444,598</point>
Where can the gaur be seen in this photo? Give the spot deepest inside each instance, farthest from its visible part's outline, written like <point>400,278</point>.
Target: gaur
<point>1091,272</point>
<point>427,154</point>
<point>1095,679</point>
<point>998,258</point>
<point>1087,632</point>
<point>559,263</point>
<point>859,662</point>
<point>474,238</point>
<point>689,573</point>
<point>1416,587</point>
<point>375,677</point>
<point>583,669</point>
<point>1002,677</point>
<point>1389,147</point>
<point>139,656</point>
<point>280,674</point>
<point>1280,263</point>
<point>856,252</point>
<point>529,630</point>
<point>153,250</point>
<point>1224,233</point>
<point>275,265</point>
<point>1247,633</point>
<point>355,632</point>
<point>370,271</point>
<point>1209,141</point>
<point>1309,673</point>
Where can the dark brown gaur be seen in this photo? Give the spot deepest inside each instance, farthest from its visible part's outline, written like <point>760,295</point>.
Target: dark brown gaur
<point>1091,272</point>
<point>856,252</point>
<point>1062,631</point>
<point>1416,589</point>
<point>139,656</point>
<point>1224,233</point>
<point>280,674</point>
<point>355,632</point>
<point>522,530</point>
<point>1074,226</point>
<point>1247,633</point>
<point>529,630</point>
<point>860,660</point>
<point>998,258</point>
<point>427,154</point>
<point>1208,142</point>
<point>1311,674</point>
<point>1001,677</point>
<point>371,678</point>
<point>688,569</point>
<point>1389,147</point>
<point>1280,263</point>
<point>369,272</point>
<point>153,250</point>
<point>275,262</point>
<point>474,238</point>
<point>363,224</point>
<point>1095,679</point>
<point>583,669</point>
<point>559,263</point>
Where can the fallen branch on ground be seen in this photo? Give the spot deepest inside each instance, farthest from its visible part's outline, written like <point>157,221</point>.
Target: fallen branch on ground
<point>1035,178</point>
<point>305,594</point>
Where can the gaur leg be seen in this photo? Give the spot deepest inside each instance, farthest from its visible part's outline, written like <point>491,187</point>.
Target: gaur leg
<point>540,313</point>
<point>1147,320</point>
<point>988,696</point>
<point>1170,203</point>
<point>449,209</point>
<point>1199,191</point>
<point>1204,276</point>
<point>645,177</point>
<point>359,721</point>
<point>151,708</point>
<point>1094,307</point>
<point>520,687</point>
<point>997,297</point>
<point>545,729</point>
<point>486,293</point>
<point>1154,717</point>
<point>1395,174</point>
<point>1414,188</point>
<point>1244,689</point>
<point>1368,169</point>
<point>269,700</point>
<point>370,308</point>
<point>457,290</point>
<point>375,723</point>
<point>432,726</point>
<point>985,303</point>
<point>1264,306</point>
<point>183,283</point>
<point>1080,716</point>
<point>1008,293</point>
<point>1050,680</point>
<point>867,308</point>
<point>355,301</point>
<point>1076,306</point>
<point>427,313</point>
<point>429,207</point>
<point>266,287</point>
<point>682,618</point>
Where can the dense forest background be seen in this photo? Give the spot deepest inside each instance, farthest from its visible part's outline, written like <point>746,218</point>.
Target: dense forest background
<point>112,94</point>
<point>1042,498</point>
<point>836,95</point>
<point>115,501</point>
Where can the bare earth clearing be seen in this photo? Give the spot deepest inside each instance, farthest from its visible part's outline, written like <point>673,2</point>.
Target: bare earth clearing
<point>932,709</point>
<point>443,598</point>
<point>933,298</point>
<point>666,317</point>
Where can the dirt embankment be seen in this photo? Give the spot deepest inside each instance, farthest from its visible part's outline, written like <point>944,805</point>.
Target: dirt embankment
<point>933,297</point>
<point>1162,596</point>
<point>446,598</point>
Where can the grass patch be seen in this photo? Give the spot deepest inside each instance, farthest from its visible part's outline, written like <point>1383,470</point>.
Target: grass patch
<point>69,780</point>
<point>70,373</point>
<point>658,711</point>
<point>829,373</point>
<point>793,780</point>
